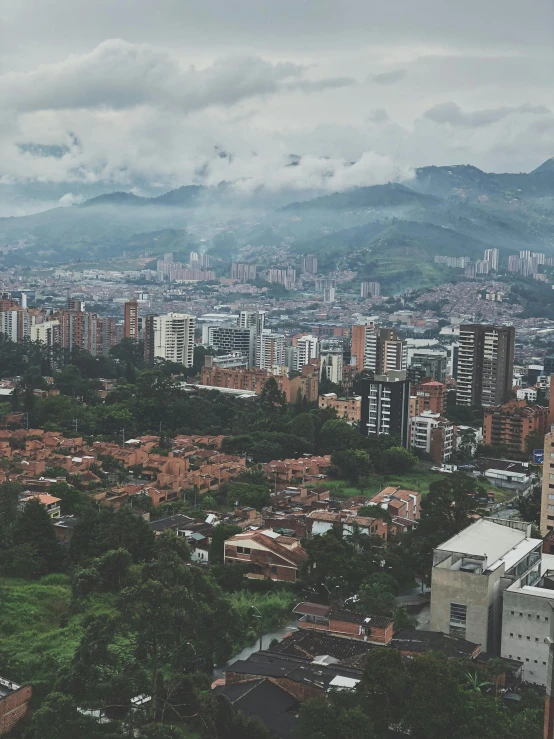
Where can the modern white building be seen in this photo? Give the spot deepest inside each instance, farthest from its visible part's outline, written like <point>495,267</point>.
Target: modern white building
<point>491,256</point>
<point>307,349</point>
<point>331,366</point>
<point>47,333</point>
<point>527,612</point>
<point>230,339</point>
<point>432,434</point>
<point>174,338</point>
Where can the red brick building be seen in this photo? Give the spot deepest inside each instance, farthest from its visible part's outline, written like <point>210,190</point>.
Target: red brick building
<point>430,396</point>
<point>13,704</point>
<point>510,424</point>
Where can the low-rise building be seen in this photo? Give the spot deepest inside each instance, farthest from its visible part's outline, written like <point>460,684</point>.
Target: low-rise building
<point>50,502</point>
<point>372,629</point>
<point>320,522</point>
<point>269,555</point>
<point>14,700</point>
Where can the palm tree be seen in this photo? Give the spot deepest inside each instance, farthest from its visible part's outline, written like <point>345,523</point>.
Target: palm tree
<point>473,683</point>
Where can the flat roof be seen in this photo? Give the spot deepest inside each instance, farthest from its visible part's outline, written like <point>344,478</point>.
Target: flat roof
<point>486,539</point>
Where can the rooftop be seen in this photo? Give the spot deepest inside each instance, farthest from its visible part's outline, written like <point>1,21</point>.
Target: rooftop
<point>491,542</point>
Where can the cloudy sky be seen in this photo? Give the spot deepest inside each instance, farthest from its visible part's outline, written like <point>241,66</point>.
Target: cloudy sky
<point>141,94</point>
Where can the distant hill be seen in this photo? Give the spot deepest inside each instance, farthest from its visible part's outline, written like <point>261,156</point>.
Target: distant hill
<point>389,232</point>
<point>392,195</point>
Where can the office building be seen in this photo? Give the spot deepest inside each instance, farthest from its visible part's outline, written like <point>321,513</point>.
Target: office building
<point>491,256</point>
<point>174,338</point>
<point>485,364</point>
<point>470,573</point>
<point>148,333</point>
<point>231,339</point>
<point>511,423</point>
<point>386,405</point>
<point>243,272</point>
<point>434,435</point>
<point>309,264</point>
<point>131,320</point>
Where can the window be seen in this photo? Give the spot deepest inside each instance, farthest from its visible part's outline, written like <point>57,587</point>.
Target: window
<point>519,636</point>
<point>274,570</point>
<point>513,613</point>
<point>511,634</point>
<point>550,496</point>
<point>458,613</point>
<point>528,638</point>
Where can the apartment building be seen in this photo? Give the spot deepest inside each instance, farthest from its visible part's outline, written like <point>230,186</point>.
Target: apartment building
<point>309,264</point>
<point>270,350</point>
<point>485,364</point>
<point>269,555</point>
<point>174,338</point>
<point>430,396</point>
<point>386,405</point>
<point>231,339</point>
<point>434,435</point>
<point>131,320</point>
<point>243,272</point>
<point>547,496</point>
<point>511,423</point>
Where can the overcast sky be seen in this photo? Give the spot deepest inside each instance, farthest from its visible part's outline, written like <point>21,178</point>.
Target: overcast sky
<point>138,93</point>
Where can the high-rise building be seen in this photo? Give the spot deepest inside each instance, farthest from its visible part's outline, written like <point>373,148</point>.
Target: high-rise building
<point>485,364</point>
<point>491,256</point>
<point>513,263</point>
<point>270,350</point>
<point>370,289</point>
<point>148,333</point>
<point>547,497</point>
<point>47,332</point>
<point>231,339</point>
<point>432,434</point>
<point>384,351</point>
<point>307,349</point>
<point>243,272</point>
<point>329,295</point>
<point>75,304</point>
<point>174,338</point>
<point>357,353</point>
<point>252,318</point>
<point>131,320</point>
<point>331,366</point>
<point>285,277</point>
<point>386,405</point>
<point>430,396</point>
<point>482,267</point>
<point>309,264</point>
<point>428,363</point>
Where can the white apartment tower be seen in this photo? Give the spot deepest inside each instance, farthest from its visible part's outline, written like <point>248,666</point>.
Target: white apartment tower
<point>491,256</point>
<point>174,338</point>
<point>307,349</point>
<point>270,350</point>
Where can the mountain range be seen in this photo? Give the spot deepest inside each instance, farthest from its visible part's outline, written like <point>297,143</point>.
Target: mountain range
<point>389,232</point>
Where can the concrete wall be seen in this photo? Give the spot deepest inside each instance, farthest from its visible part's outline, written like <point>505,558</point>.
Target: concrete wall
<point>476,592</point>
<point>525,632</point>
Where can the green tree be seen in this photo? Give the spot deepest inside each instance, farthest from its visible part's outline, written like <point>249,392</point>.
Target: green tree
<point>245,494</point>
<point>58,718</point>
<point>220,534</point>
<point>33,528</point>
<point>397,461</point>
<point>353,464</point>
<point>327,719</point>
<point>384,689</point>
<point>337,436</point>
<point>271,398</point>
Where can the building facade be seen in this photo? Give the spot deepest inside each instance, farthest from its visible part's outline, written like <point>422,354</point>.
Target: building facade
<point>485,364</point>
<point>174,338</point>
<point>512,423</point>
<point>386,406</point>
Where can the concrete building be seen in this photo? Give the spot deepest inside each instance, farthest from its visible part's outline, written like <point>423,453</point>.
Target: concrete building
<point>485,364</point>
<point>370,289</point>
<point>434,435</point>
<point>329,294</point>
<point>527,613</point>
<point>547,497</point>
<point>309,264</point>
<point>174,338</point>
<point>470,573</point>
<point>243,272</point>
<point>386,406</point>
<point>428,363</point>
<point>14,701</point>
<point>510,424</point>
<point>269,555</point>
